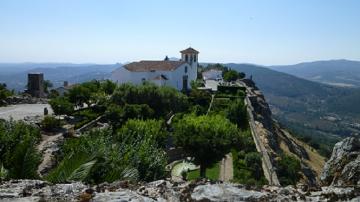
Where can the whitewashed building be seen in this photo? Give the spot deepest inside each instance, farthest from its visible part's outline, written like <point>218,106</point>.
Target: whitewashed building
<point>212,74</point>
<point>177,74</point>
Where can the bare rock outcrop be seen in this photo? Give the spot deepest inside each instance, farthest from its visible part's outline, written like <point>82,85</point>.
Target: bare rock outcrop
<point>343,167</point>
<point>164,190</point>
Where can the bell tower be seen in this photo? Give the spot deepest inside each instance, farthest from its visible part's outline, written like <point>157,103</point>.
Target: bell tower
<point>190,56</point>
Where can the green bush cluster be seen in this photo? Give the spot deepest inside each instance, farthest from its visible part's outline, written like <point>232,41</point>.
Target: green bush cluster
<point>289,169</point>
<point>49,123</point>
<point>247,162</point>
<point>19,158</point>
<point>236,112</point>
<point>61,106</point>
<point>135,152</point>
<point>4,93</point>
<point>85,116</point>
<point>118,115</point>
<point>199,101</point>
<point>162,100</point>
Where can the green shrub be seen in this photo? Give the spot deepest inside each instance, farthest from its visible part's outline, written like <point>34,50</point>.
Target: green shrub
<point>288,171</point>
<point>50,123</point>
<point>236,112</point>
<point>118,115</point>
<point>61,106</point>
<point>254,163</point>
<point>134,129</point>
<point>18,154</point>
<point>105,156</point>
<point>162,100</point>
<point>4,93</point>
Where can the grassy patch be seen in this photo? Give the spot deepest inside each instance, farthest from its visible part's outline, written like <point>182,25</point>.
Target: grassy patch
<point>211,173</point>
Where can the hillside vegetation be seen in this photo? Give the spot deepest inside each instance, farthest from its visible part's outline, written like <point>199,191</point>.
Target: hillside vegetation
<point>318,113</point>
<point>135,143</point>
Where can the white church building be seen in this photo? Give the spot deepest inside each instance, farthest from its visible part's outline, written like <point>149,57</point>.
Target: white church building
<point>177,74</point>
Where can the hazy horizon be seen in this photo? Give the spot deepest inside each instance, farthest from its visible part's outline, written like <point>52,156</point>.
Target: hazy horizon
<point>204,62</point>
<point>107,32</point>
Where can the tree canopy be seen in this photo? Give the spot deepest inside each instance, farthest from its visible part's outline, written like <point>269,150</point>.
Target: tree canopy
<point>236,112</point>
<point>161,99</point>
<point>232,75</point>
<point>4,93</point>
<point>206,138</point>
<point>61,106</point>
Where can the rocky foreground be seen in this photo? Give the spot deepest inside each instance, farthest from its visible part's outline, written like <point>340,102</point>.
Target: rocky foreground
<point>343,167</point>
<point>163,190</point>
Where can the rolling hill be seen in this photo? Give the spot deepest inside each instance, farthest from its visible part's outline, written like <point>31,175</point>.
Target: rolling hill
<point>343,73</point>
<point>313,110</point>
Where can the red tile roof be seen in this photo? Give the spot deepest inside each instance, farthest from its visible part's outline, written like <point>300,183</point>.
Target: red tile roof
<point>147,66</point>
<point>189,50</point>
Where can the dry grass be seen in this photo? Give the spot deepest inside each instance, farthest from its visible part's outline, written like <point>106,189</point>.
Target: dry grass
<point>316,161</point>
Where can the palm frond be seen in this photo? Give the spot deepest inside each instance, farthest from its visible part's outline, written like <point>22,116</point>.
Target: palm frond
<point>80,173</point>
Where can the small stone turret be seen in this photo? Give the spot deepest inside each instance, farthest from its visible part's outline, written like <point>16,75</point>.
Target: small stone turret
<point>35,85</point>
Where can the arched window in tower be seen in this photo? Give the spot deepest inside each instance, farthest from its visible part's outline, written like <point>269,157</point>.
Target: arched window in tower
<point>185,69</point>
<point>186,58</point>
<point>194,58</point>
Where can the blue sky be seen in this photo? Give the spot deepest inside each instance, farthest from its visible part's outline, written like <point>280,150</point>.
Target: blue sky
<point>105,31</point>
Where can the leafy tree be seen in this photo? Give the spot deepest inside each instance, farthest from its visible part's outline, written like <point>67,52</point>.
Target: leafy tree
<point>231,75</point>
<point>61,106</point>
<point>93,86</point>
<point>47,84</point>
<point>161,99</point>
<point>196,84</point>
<point>108,87</point>
<point>199,97</point>
<point>118,115</point>
<point>53,93</point>
<point>241,75</point>
<point>80,95</point>
<point>4,93</point>
<point>206,138</point>
<point>237,113</point>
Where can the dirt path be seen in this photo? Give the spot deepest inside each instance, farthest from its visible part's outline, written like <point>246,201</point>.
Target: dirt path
<point>226,168</point>
<point>47,147</point>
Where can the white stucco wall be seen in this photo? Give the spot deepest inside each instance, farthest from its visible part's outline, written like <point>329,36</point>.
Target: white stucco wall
<point>175,77</point>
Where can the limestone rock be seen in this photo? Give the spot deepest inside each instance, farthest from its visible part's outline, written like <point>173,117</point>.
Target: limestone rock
<point>225,192</point>
<point>165,190</point>
<point>343,167</point>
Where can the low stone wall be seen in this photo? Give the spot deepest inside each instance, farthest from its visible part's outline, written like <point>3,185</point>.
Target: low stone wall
<point>24,99</point>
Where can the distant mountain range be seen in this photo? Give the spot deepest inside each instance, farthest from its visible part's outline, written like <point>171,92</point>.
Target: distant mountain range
<point>15,75</point>
<point>343,73</point>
